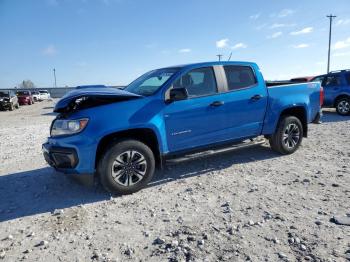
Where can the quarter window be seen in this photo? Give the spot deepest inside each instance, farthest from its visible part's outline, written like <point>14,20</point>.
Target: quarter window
<point>332,81</point>
<point>198,82</point>
<point>239,77</point>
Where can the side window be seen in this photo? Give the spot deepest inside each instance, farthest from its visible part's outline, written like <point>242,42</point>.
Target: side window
<point>198,82</point>
<point>347,76</point>
<point>332,81</point>
<point>239,77</point>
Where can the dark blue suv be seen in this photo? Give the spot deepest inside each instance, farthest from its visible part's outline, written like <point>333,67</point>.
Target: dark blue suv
<point>336,86</point>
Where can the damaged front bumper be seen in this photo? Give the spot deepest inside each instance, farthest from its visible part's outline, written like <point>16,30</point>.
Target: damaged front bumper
<point>60,157</point>
<point>71,154</point>
<point>66,160</point>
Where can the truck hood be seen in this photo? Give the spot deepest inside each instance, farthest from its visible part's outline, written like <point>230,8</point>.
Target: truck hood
<point>90,97</point>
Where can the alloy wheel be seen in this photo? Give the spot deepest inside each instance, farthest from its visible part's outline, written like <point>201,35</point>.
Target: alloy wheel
<point>344,107</point>
<point>291,136</point>
<point>129,168</point>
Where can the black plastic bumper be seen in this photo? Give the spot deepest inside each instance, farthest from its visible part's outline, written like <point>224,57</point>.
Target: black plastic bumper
<point>4,105</point>
<point>60,157</point>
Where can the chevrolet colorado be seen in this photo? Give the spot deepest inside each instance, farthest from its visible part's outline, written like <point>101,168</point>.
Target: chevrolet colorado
<point>175,114</point>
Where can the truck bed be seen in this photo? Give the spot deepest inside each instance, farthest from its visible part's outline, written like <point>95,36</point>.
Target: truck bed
<point>283,95</point>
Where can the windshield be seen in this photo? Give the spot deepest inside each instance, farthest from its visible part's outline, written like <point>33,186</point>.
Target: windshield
<point>21,93</point>
<point>150,82</point>
<point>4,94</point>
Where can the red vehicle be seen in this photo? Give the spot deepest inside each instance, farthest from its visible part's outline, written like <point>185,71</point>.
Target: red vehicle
<point>302,79</point>
<point>25,98</point>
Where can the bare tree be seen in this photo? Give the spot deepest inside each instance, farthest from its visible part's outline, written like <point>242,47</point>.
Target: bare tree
<point>27,84</point>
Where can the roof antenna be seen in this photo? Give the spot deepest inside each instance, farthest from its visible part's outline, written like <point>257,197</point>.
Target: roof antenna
<point>229,58</point>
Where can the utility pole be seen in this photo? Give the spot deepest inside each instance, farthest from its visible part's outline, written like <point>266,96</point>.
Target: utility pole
<point>330,39</point>
<point>219,56</point>
<point>54,75</point>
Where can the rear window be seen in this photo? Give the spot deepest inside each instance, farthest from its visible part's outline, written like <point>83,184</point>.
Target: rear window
<point>239,77</point>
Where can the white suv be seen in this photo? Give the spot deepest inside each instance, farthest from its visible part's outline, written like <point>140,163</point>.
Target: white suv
<point>44,95</point>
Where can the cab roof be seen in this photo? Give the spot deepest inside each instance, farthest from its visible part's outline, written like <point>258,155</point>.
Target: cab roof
<point>205,64</point>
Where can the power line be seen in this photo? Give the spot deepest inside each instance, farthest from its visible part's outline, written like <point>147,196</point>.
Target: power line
<point>330,39</point>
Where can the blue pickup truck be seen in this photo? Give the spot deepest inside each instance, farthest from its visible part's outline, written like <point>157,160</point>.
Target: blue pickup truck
<point>175,114</point>
<point>336,86</point>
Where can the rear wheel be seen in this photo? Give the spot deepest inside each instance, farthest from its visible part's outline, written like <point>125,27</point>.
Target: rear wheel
<point>11,107</point>
<point>126,167</point>
<point>17,106</point>
<point>288,135</point>
<point>343,106</point>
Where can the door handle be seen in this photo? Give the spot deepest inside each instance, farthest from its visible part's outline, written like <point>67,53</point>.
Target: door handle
<point>256,97</point>
<point>217,103</point>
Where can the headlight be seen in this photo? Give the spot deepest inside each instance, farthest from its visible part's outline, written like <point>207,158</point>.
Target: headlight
<point>68,127</point>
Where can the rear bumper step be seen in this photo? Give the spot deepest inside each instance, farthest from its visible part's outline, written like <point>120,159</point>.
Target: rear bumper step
<point>211,152</point>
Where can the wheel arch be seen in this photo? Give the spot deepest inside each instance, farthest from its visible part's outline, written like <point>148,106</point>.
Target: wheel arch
<point>340,97</point>
<point>144,135</point>
<point>298,112</point>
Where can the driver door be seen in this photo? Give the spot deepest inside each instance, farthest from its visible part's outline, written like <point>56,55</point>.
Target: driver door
<point>198,120</point>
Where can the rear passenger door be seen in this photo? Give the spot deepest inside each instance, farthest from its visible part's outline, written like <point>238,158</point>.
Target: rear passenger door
<point>331,85</point>
<point>245,102</point>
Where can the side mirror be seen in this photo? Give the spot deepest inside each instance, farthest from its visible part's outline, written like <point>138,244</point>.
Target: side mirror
<point>177,94</point>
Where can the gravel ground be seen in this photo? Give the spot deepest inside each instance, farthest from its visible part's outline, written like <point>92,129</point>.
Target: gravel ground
<point>251,204</point>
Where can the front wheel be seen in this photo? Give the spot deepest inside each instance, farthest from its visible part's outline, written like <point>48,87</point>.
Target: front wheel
<point>343,106</point>
<point>288,135</point>
<point>11,107</point>
<point>126,167</point>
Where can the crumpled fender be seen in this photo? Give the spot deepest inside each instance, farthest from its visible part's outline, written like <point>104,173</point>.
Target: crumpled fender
<point>90,97</point>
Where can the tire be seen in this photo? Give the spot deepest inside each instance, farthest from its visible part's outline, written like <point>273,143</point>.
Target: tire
<point>343,106</point>
<point>11,107</point>
<point>288,136</point>
<point>30,102</point>
<point>114,178</point>
<point>17,106</point>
